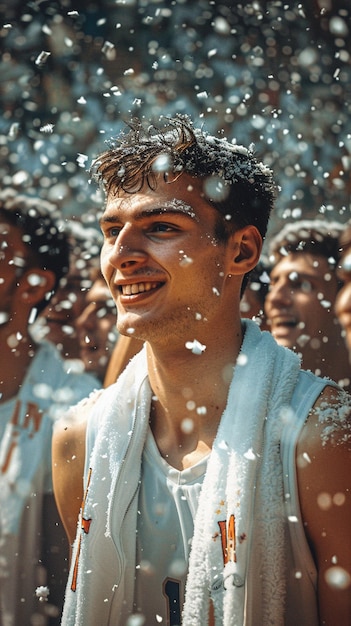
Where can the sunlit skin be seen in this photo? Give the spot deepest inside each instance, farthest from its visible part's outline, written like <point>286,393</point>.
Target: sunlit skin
<point>95,329</point>
<point>300,312</point>
<point>343,300</point>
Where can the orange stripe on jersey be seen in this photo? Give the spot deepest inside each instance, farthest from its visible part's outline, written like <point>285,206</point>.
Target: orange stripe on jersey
<point>7,460</point>
<point>228,539</point>
<point>85,526</point>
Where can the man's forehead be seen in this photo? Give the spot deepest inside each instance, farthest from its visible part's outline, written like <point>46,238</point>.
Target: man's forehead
<point>301,262</point>
<point>145,204</point>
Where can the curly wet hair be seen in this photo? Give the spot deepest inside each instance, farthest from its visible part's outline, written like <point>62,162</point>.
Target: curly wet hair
<point>239,186</point>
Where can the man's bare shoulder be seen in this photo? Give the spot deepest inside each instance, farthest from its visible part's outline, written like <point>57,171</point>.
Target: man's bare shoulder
<point>69,432</point>
<point>329,422</point>
<point>324,483</point>
<point>68,458</point>
<point>324,455</point>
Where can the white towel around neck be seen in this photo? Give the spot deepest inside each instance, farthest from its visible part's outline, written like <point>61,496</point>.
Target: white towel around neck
<point>244,478</point>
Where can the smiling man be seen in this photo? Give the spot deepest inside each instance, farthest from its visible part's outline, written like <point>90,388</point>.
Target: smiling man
<point>187,456</point>
<point>96,326</point>
<point>303,288</point>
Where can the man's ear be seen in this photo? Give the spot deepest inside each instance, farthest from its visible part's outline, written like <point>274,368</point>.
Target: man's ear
<point>245,250</point>
<point>35,284</point>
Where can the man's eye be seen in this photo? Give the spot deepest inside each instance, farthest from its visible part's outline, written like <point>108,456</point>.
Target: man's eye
<point>306,286</point>
<point>113,231</point>
<point>162,227</point>
<point>297,282</point>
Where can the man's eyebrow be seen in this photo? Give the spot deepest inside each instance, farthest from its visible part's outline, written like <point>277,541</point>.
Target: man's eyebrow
<point>176,207</point>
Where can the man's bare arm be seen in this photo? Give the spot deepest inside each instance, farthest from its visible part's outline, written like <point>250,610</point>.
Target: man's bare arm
<point>324,480</point>
<point>68,468</point>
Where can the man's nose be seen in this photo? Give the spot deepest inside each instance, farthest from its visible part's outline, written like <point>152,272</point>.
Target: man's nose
<point>279,294</point>
<point>128,249</point>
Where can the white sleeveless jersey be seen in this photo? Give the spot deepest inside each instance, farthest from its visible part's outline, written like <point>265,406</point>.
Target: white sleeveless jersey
<point>164,530</point>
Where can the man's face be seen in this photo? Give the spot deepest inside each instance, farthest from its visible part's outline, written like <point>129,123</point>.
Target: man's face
<point>343,301</point>
<point>96,328</point>
<point>63,310</point>
<point>299,305</point>
<point>162,262</point>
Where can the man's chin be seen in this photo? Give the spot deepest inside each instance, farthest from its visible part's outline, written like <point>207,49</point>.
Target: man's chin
<point>284,340</point>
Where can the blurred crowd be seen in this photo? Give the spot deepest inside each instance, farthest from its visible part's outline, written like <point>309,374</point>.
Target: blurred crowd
<point>276,74</point>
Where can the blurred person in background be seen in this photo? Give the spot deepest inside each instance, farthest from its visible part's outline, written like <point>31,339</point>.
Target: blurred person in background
<point>57,322</point>
<point>343,300</point>
<point>35,387</point>
<point>96,326</point>
<point>299,306</point>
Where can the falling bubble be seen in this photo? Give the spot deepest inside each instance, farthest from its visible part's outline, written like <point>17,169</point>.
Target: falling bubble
<point>177,568</point>
<point>35,280</point>
<point>337,577</point>
<point>190,405</point>
<point>324,501</point>
<point>4,317</point>
<point>162,163</point>
<point>201,410</point>
<point>12,341</point>
<point>339,499</point>
<point>187,425</point>
<point>338,26</point>
<point>242,359</point>
<point>136,620</point>
<point>216,189</point>
<point>185,261</point>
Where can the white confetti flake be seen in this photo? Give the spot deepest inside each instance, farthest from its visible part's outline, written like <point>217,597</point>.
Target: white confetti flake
<point>42,593</point>
<point>195,346</point>
<point>42,57</point>
<point>47,128</point>
<point>82,159</point>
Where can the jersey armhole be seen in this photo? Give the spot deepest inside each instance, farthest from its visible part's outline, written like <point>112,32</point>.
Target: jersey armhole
<point>306,392</point>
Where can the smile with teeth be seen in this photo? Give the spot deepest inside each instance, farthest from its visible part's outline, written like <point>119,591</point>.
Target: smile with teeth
<point>285,321</point>
<point>135,288</point>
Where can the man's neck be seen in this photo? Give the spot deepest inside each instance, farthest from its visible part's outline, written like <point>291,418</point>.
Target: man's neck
<point>190,394</point>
